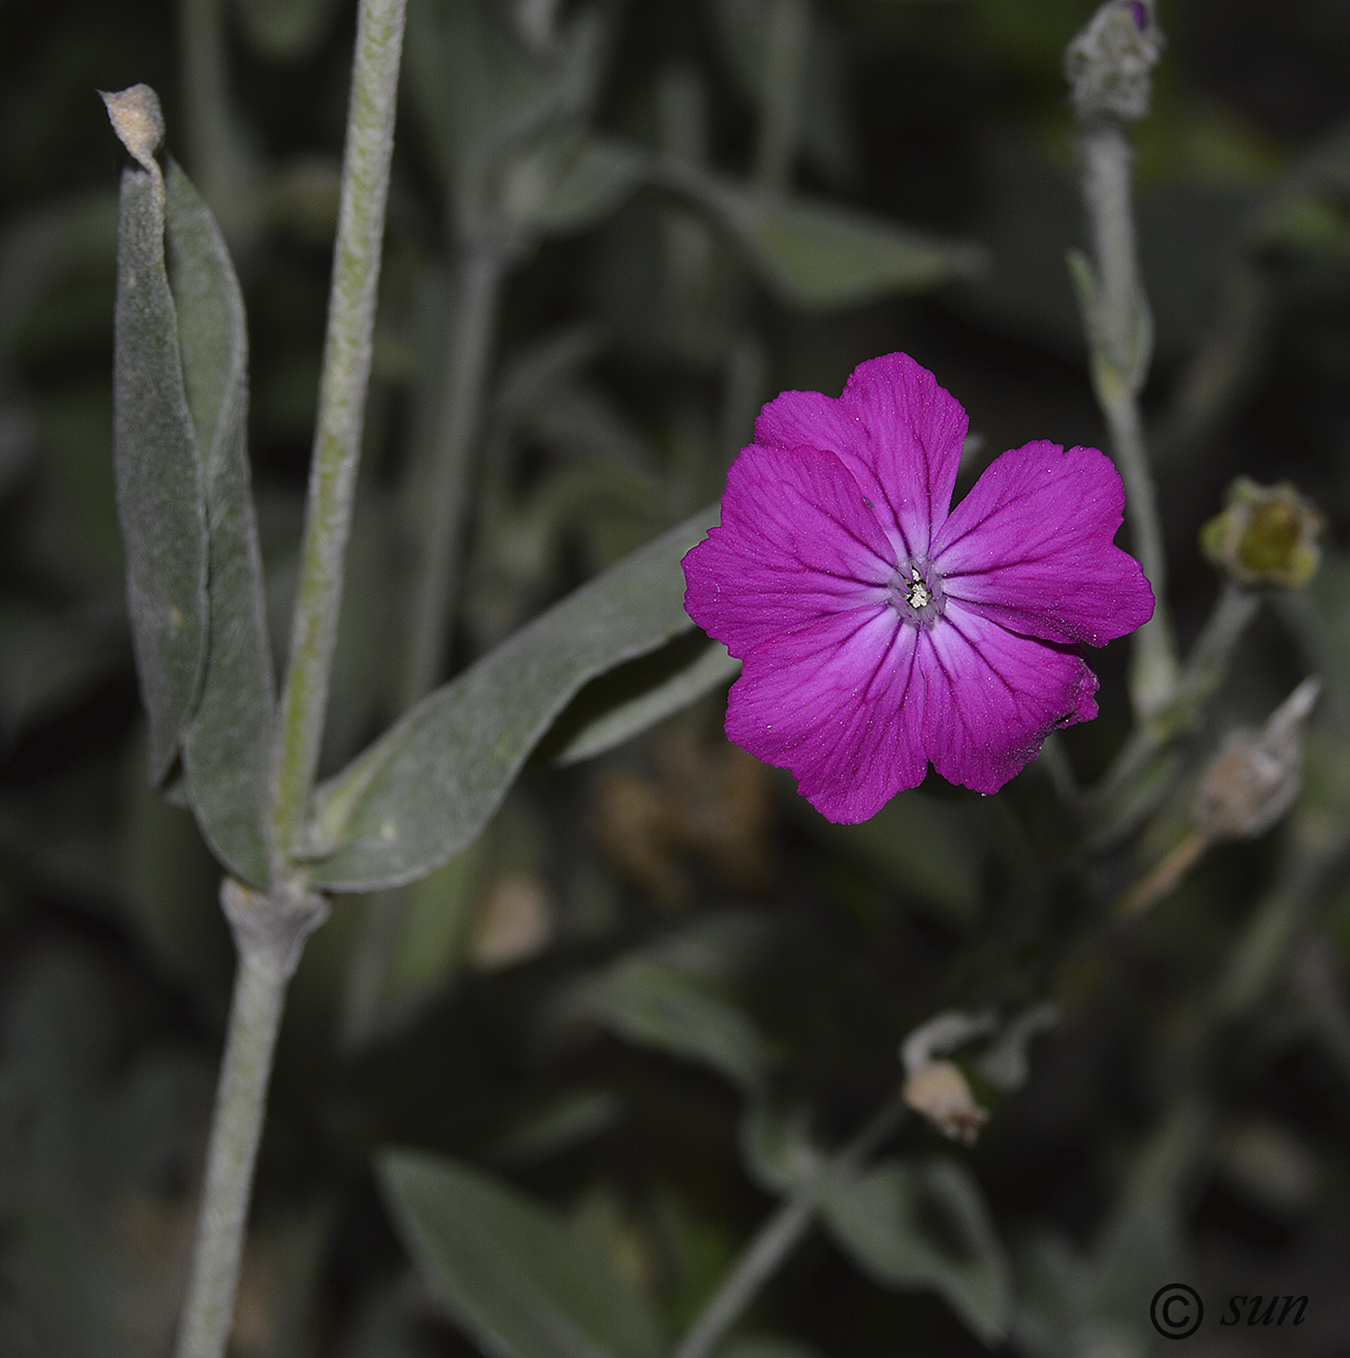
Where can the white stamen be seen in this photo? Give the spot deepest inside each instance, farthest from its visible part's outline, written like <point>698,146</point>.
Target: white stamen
<point>919,594</point>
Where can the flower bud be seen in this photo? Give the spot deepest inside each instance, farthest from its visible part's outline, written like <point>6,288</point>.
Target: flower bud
<point>937,1088</point>
<point>1109,64</point>
<point>1267,535</point>
<point>1256,776</point>
<point>939,1091</point>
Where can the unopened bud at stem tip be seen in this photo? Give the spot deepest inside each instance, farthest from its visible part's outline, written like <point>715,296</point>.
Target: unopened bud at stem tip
<point>1109,64</point>
<point>939,1091</point>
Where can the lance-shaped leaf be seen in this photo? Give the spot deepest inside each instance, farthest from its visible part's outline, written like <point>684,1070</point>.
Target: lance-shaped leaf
<point>227,745</point>
<point>923,1224</point>
<point>503,119</point>
<point>635,696</point>
<point>161,500</point>
<point>821,257</point>
<point>659,1005</point>
<point>428,786</point>
<point>518,1280</point>
<point>568,184</point>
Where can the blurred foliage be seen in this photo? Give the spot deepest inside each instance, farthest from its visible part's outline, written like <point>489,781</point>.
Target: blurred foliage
<point>659,984</point>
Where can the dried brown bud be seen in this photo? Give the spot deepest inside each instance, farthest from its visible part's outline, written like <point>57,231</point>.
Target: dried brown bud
<point>1267,535</point>
<point>939,1091</point>
<point>937,1088</point>
<point>1256,776</point>
<point>138,122</point>
<point>516,924</point>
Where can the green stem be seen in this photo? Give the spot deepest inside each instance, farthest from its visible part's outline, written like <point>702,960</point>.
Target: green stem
<point>1141,496</point>
<point>1262,950</point>
<point>776,1239</point>
<point>270,929</point>
<point>449,476</point>
<point>1107,156</point>
<point>1119,331</point>
<point>342,396</point>
<point>1184,1141</point>
<point>269,932</point>
<point>441,496</point>
<point>779,1236</point>
<point>1206,666</point>
<point>1212,653</point>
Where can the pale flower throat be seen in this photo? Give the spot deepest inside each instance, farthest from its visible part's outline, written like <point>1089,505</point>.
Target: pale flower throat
<point>916,592</point>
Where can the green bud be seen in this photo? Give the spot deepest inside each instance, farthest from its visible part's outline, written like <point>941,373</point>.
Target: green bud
<point>1267,535</point>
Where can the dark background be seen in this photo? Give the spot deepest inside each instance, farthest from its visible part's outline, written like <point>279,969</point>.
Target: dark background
<point>1149,1129</point>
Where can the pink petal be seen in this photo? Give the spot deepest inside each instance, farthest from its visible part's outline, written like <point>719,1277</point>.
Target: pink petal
<point>840,704</point>
<point>994,696</point>
<point>896,430</point>
<point>1032,547</point>
<point>797,543</point>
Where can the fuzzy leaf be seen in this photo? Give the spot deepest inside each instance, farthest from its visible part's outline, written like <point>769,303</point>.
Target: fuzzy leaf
<point>564,189</point>
<point>503,120</point>
<point>923,1224</point>
<point>658,1005</point>
<point>520,1282</point>
<point>821,257</point>
<point>161,497</point>
<point>630,699</point>
<point>227,745</point>
<point>683,994</point>
<point>427,787</point>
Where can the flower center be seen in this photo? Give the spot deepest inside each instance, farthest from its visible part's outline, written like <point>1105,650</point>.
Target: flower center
<point>916,592</point>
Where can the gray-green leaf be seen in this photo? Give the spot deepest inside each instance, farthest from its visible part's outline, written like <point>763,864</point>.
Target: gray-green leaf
<point>682,994</point>
<point>503,119</point>
<point>641,693</point>
<point>226,746</point>
<point>564,187</point>
<point>518,1280</point>
<point>659,1005</point>
<point>428,786</point>
<point>923,1224</point>
<point>161,500</point>
<point>822,257</point>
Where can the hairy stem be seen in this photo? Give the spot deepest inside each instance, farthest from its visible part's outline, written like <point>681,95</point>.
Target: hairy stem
<point>775,1241</point>
<point>269,932</point>
<point>270,929</point>
<point>778,1237</point>
<point>1205,669</point>
<point>1119,330</point>
<point>441,495</point>
<point>255,1016</point>
<point>1107,157</point>
<point>342,397</point>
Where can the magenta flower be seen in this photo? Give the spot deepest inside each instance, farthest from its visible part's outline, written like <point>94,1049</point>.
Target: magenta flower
<point>879,629</point>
